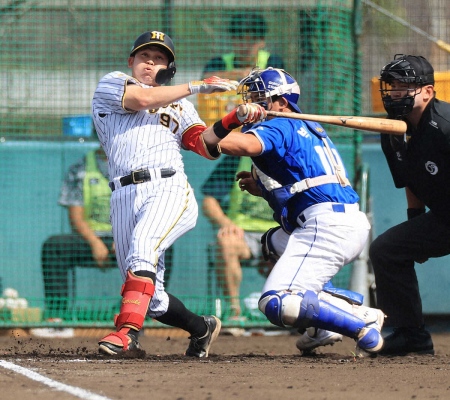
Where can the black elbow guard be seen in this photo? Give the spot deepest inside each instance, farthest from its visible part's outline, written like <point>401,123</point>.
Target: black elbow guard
<point>267,247</point>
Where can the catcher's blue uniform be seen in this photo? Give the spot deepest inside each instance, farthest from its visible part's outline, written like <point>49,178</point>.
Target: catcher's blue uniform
<point>323,230</point>
<point>305,182</point>
<point>294,150</point>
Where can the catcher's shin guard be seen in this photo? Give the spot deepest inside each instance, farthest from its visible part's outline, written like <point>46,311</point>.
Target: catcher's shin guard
<point>347,295</point>
<point>321,314</point>
<point>136,295</point>
<point>304,310</point>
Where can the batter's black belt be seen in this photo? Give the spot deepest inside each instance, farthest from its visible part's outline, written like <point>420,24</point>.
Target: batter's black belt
<point>143,175</point>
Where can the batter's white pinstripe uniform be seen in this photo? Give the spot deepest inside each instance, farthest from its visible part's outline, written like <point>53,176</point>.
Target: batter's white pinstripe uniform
<point>147,218</point>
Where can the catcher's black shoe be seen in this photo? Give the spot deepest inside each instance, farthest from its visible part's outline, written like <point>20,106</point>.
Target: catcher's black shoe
<point>407,340</point>
<point>199,346</point>
<point>118,343</point>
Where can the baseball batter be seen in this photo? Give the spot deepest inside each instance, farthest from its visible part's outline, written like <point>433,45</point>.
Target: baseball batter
<point>299,171</point>
<point>142,126</point>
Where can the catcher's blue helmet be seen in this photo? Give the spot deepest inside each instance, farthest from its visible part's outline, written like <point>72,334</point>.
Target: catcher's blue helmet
<point>268,83</point>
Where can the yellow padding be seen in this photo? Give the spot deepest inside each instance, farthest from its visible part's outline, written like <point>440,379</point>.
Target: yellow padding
<point>212,107</point>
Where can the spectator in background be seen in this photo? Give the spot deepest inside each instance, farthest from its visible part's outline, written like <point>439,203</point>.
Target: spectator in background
<point>86,194</point>
<point>249,49</point>
<point>241,220</point>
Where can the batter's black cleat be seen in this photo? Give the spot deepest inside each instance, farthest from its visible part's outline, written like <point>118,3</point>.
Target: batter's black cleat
<point>405,341</point>
<point>199,346</point>
<point>118,343</point>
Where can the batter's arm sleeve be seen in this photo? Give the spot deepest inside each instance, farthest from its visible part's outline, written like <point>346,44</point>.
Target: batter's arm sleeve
<point>193,140</point>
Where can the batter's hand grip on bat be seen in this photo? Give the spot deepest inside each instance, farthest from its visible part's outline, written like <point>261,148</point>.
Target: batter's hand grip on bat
<point>251,113</point>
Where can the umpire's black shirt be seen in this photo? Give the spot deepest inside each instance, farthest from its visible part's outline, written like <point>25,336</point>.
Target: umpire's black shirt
<point>423,163</point>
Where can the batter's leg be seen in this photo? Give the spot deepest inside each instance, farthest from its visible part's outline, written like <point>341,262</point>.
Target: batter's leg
<point>203,329</point>
<point>136,293</point>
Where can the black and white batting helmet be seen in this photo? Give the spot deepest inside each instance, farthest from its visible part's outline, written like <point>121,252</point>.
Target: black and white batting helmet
<point>162,40</point>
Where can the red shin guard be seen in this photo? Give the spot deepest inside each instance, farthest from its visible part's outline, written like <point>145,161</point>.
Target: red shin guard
<point>136,295</point>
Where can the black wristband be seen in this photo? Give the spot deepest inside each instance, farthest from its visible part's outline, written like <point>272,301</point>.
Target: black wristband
<point>414,212</point>
<point>215,152</point>
<point>219,130</point>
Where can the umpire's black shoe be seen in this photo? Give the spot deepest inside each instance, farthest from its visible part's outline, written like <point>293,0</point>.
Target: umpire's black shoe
<point>199,346</point>
<point>407,340</point>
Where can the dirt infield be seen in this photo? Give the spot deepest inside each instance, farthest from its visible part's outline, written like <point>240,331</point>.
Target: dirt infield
<point>246,367</point>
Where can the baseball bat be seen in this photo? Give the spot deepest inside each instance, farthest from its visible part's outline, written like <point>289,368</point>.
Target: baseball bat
<point>440,43</point>
<point>379,125</point>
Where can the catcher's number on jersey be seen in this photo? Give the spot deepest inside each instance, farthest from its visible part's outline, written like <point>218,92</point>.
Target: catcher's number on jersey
<point>325,159</point>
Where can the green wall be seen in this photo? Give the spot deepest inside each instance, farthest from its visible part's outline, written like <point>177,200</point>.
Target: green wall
<point>32,172</point>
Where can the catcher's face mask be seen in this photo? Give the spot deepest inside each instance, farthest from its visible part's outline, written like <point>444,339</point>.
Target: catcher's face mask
<point>261,85</point>
<point>401,80</point>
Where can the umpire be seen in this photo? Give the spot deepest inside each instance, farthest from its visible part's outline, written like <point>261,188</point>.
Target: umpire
<point>419,162</point>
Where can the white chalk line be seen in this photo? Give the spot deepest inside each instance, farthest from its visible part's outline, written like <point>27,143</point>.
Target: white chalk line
<point>75,391</point>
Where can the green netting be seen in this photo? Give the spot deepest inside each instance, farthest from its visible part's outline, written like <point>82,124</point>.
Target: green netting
<point>52,54</point>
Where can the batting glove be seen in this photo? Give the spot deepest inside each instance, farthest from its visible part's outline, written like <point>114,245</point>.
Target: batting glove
<point>251,113</point>
<point>212,85</point>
